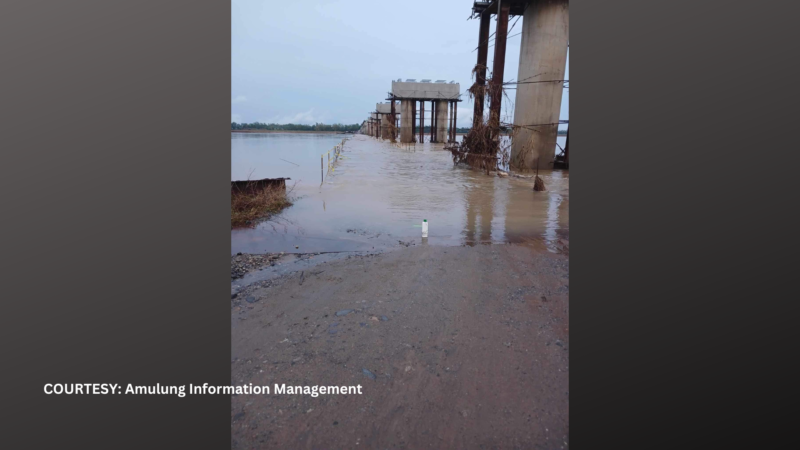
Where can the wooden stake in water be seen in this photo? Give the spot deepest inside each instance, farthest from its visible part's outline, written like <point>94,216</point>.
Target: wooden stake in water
<point>321,169</point>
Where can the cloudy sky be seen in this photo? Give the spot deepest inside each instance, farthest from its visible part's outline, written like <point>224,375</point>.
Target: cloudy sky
<point>308,61</point>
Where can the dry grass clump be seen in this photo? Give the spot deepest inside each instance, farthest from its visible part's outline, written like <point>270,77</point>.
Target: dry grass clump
<point>480,149</point>
<point>253,203</point>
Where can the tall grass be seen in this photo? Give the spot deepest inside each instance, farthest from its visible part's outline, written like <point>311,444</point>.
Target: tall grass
<point>251,204</point>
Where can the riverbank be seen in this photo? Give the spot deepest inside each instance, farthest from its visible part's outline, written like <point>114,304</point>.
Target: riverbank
<point>464,347</point>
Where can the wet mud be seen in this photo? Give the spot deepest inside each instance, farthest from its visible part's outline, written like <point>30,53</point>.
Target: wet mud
<point>454,347</point>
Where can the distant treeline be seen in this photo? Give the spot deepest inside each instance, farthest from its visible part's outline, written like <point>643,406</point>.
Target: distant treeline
<point>294,127</point>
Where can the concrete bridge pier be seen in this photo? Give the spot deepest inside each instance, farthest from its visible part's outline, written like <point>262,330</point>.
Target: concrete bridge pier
<point>439,93</point>
<point>453,122</point>
<point>406,121</point>
<point>543,58</point>
<point>386,126</point>
<point>441,120</point>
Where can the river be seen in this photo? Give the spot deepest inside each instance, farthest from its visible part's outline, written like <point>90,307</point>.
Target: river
<point>378,194</point>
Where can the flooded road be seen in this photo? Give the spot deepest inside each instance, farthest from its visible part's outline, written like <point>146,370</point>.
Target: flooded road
<point>379,193</point>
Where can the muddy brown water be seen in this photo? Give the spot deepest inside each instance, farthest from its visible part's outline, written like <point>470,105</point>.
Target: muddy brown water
<point>378,194</point>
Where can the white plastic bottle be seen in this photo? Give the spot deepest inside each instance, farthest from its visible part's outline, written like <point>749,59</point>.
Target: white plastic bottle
<point>425,228</point>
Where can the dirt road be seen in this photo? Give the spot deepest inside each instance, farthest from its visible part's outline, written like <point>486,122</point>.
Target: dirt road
<point>454,347</point>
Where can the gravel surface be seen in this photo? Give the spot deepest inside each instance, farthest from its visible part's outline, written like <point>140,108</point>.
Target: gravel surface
<point>242,263</point>
<point>454,347</point>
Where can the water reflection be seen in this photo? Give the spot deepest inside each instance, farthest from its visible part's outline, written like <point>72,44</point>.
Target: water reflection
<point>479,200</point>
<point>539,218</point>
<point>552,224</point>
<point>379,194</point>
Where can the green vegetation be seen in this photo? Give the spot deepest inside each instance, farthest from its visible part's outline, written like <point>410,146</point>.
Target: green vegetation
<point>293,127</point>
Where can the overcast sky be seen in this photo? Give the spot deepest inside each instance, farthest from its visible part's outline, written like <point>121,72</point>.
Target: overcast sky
<point>310,61</point>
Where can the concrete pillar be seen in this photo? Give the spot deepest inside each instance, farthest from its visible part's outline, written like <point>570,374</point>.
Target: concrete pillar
<point>543,58</point>
<point>386,126</point>
<point>441,120</point>
<point>455,121</point>
<point>406,121</point>
<point>450,123</point>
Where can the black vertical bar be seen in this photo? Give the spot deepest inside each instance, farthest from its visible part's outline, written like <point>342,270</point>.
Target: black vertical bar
<point>421,121</point>
<point>480,72</point>
<point>433,120</point>
<point>498,68</point>
<point>413,118</point>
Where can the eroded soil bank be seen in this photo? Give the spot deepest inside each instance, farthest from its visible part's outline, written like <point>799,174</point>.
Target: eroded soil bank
<point>455,347</point>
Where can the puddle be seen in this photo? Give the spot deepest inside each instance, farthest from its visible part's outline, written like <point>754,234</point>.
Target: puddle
<point>289,263</point>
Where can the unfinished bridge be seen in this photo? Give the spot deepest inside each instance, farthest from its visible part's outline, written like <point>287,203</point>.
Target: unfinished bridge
<point>539,86</point>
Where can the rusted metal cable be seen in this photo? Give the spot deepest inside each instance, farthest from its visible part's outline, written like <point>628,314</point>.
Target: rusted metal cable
<point>507,83</point>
